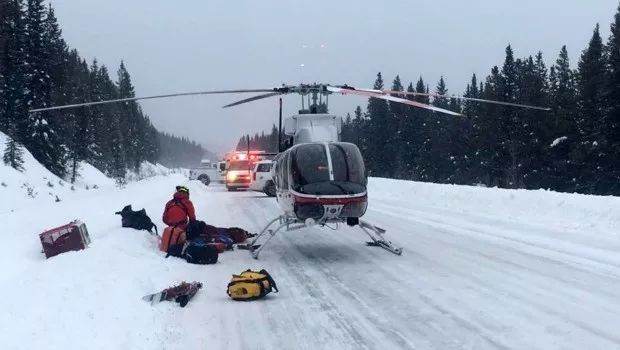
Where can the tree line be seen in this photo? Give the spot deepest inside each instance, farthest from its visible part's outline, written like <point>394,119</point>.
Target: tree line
<point>38,69</point>
<point>262,142</point>
<point>574,147</point>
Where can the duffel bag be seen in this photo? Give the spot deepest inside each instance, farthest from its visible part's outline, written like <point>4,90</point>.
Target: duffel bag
<point>251,285</point>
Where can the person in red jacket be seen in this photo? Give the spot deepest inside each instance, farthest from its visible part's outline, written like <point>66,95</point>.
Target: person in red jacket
<point>179,210</point>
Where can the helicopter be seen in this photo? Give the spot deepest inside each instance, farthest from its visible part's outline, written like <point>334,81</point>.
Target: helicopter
<point>320,180</point>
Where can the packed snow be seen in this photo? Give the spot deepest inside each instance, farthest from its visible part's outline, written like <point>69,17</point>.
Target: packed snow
<point>482,268</point>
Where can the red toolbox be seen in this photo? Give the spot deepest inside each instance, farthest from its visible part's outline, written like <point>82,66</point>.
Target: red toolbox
<point>73,236</point>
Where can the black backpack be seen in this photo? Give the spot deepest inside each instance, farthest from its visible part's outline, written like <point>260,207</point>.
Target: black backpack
<point>136,219</point>
<point>199,251</point>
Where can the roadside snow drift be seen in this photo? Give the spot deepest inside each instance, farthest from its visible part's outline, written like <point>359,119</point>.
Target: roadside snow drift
<point>35,184</point>
<point>481,269</point>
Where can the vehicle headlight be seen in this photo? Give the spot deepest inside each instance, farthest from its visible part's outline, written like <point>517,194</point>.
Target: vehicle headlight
<point>231,177</point>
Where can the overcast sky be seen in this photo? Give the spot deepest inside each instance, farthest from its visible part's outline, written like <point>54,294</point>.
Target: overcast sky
<point>184,45</point>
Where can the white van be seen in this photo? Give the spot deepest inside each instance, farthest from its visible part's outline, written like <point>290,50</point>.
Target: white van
<point>261,178</point>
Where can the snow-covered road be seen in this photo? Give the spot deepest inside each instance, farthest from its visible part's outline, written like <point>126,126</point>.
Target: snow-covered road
<point>467,279</point>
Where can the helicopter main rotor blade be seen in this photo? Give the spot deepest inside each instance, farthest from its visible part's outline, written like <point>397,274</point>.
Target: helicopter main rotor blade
<point>120,100</point>
<point>465,99</point>
<point>384,96</point>
<point>255,98</point>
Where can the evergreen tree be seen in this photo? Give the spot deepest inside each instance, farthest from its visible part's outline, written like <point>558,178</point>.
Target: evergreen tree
<point>532,124</point>
<point>346,135</point>
<point>12,72</point>
<point>410,132</point>
<point>440,132</point>
<point>378,135</point>
<point>591,78</point>
<point>394,139</point>
<point>37,133</point>
<point>509,157</point>
<point>488,140</point>
<point>128,117</point>
<point>422,137</point>
<point>563,130</point>
<point>81,136</point>
<point>611,161</point>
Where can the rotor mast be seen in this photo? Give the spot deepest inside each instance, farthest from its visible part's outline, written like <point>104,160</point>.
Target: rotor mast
<point>314,93</point>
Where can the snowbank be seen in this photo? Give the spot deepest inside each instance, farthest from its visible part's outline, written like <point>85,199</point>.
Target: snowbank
<point>35,184</point>
<point>148,170</point>
<point>594,214</point>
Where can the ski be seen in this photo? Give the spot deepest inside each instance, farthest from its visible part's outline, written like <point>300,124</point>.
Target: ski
<point>181,294</point>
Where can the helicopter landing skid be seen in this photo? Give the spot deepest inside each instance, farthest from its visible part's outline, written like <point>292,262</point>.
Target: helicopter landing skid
<point>290,224</point>
<point>376,234</point>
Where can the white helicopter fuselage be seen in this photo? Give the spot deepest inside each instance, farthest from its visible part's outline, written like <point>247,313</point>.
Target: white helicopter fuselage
<point>319,177</point>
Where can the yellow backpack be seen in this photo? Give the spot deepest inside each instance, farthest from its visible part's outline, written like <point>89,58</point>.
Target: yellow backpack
<point>251,285</point>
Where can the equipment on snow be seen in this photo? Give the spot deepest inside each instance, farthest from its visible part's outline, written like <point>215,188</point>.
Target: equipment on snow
<point>251,285</point>
<point>171,236</point>
<point>70,237</point>
<point>136,219</point>
<point>238,235</point>
<point>181,294</point>
<point>226,240</point>
<point>199,251</point>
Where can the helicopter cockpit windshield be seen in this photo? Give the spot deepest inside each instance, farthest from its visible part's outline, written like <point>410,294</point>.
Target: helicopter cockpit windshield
<point>311,173</point>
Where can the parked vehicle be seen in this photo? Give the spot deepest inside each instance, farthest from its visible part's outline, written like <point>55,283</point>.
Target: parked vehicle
<point>239,166</point>
<point>238,175</point>
<point>261,178</point>
<point>206,173</point>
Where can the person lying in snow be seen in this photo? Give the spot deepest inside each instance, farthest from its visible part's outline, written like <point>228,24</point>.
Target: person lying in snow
<point>179,211</point>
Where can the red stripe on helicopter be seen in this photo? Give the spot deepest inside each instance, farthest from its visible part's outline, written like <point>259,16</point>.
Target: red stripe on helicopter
<point>330,200</point>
